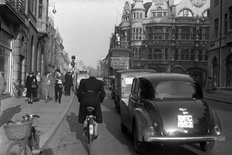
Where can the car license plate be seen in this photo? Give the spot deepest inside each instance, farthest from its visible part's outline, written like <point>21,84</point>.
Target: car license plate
<point>185,121</point>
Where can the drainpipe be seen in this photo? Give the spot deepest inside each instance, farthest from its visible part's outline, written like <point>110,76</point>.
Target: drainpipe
<point>220,37</point>
<point>11,70</point>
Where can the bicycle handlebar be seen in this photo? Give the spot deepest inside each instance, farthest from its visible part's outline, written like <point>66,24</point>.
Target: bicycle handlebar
<point>30,117</point>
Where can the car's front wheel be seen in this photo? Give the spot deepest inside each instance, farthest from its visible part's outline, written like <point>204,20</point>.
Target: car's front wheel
<point>139,146</point>
<point>207,146</point>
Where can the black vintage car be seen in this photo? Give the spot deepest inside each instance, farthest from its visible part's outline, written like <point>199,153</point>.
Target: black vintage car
<point>169,108</point>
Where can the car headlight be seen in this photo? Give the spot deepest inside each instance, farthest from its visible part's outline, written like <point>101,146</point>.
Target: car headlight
<point>217,130</point>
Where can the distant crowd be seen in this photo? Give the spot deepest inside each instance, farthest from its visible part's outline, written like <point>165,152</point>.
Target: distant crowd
<point>49,87</point>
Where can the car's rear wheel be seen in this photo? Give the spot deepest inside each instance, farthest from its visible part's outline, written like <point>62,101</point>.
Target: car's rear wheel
<point>207,146</point>
<point>139,146</point>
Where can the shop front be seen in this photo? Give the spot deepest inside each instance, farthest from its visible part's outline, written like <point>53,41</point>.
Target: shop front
<point>5,70</point>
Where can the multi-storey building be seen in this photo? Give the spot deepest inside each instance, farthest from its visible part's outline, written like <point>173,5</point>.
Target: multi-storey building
<point>220,51</point>
<point>168,37</point>
<point>25,40</point>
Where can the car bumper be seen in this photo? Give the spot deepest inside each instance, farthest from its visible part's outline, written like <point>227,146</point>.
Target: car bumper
<point>184,139</point>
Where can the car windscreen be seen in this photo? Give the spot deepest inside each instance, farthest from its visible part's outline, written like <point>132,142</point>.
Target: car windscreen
<point>174,89</point>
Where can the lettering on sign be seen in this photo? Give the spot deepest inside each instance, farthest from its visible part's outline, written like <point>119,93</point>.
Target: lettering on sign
<point>159,2</point>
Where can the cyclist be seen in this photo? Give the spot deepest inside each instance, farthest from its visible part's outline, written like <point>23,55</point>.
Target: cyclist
<point>91,93</point>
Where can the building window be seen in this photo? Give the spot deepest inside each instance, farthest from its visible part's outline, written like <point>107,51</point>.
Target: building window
<point>216,2</point>
<point>225,23</point>
<point>206,56</point>
<point>230,16</point>
<point>158,54</point>
<point>206,13</point>
<point>159,14</point>
<point>150,54</point>
<point>182,55</point>
<point>40,9</point>
<point>176,55</point>
<point>166,54</point>
<point>216,28</point>
<point>157,34</point>
<point>140,54</point>
<point>192,56</point>
<point>200,55</point>
<point>185,13</point>
<point>185,34</point>
<point>136,53</point>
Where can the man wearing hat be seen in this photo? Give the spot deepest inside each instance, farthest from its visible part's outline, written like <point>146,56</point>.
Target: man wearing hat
<point>91,93</point>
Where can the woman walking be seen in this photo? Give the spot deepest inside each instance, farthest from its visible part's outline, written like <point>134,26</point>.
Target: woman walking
<point>31,85</point>
<point>47,86</point>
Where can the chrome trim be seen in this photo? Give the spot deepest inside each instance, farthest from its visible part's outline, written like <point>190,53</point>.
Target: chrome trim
<point>184,139</point>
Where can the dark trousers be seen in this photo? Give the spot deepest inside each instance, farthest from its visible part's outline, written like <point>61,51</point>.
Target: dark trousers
<point>67,89</point>
<point>58,92</point>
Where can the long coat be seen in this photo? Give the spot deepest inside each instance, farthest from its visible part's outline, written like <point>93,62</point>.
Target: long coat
<point>90,93</point>
<point>31,92</point>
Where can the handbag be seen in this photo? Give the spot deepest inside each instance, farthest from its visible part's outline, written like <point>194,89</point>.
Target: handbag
<point>33,85</point>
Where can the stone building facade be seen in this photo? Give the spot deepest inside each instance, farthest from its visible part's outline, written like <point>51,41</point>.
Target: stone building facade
<point>168,37</point>
<point>24,40</point>
<point>220,51</point>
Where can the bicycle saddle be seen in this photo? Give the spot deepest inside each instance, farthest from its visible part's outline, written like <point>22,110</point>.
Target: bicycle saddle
<point>90,109</point>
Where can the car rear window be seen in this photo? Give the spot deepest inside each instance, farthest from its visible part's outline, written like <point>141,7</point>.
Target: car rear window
<point>174,89</point>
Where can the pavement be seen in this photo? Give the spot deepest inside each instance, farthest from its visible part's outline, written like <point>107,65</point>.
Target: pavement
<point>52,113</point>
<point>220,95</point>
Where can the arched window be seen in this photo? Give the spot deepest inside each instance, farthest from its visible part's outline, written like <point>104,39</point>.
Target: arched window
<point>158,54</point>
<point>206,13</point>
<point>185,13</point>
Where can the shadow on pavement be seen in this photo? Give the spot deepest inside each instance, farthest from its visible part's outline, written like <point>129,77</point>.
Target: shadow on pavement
<point>76,127</point>
<point>9,113</point>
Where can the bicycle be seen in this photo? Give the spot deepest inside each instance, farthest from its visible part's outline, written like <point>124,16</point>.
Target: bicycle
<point>89,129</point>
<point>23,135</point>
<point>18,89</point>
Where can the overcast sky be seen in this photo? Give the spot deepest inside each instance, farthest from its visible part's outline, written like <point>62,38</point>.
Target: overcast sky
<point>86,26</point>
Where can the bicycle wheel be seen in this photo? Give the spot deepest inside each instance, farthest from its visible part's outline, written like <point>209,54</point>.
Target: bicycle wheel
<point>14,148</point>
<point>25,151</point>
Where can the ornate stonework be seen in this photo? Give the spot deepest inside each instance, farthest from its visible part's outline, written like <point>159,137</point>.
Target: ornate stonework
<point>198,3</point>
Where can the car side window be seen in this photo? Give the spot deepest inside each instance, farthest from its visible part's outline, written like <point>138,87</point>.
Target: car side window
<point>147,91</point>
<point>135,87</point>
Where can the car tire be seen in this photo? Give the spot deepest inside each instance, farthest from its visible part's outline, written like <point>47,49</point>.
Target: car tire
<point>139,146</point>
<point>207,146</point>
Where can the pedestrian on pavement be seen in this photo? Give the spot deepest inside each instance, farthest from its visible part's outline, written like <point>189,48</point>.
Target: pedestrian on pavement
<point>39,82</point>
<point>59,81</point>
<point>68,83</point>
<point>31,85</point>
<point>47,85</point>
<point>91,93</point>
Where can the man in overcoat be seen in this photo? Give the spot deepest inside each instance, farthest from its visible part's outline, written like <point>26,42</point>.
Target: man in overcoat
<point>91,93</point>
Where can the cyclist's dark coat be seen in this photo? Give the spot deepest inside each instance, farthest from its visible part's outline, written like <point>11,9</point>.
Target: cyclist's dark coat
<point>90,93</point>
